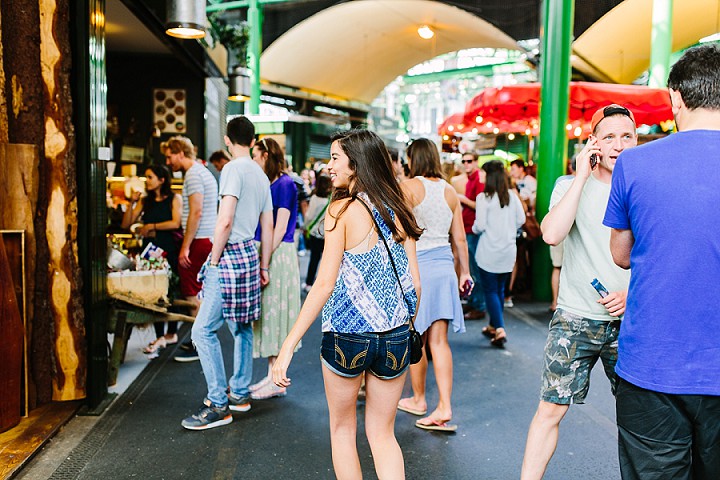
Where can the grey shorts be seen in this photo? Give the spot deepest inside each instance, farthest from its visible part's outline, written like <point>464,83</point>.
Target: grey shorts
<point>574,345</point>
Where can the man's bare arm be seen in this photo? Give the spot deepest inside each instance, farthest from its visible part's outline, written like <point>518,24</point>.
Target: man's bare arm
<point>621,243</point>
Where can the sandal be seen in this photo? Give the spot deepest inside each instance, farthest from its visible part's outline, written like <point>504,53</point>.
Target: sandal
<point>402,406</point>
<point>488,331</point>
<point>499,341</point>
<point>436,425</point>
<point>153,347</point>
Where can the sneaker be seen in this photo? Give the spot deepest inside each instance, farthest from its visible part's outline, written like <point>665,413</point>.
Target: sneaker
<point>239,403</point>
<point>187,346</point>
<point>270,390</point>
<point>187,356</point>
<point>509,303</point>
<point>208,417</point>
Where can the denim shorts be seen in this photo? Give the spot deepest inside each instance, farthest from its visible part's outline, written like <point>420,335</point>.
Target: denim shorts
<point>386,355</point>
<point>574,345</point>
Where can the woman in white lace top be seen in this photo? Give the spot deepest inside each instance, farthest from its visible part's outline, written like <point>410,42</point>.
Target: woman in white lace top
<point>437,210</point>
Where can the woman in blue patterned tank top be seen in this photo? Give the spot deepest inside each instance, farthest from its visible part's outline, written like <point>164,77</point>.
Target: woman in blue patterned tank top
<point>364,311</point>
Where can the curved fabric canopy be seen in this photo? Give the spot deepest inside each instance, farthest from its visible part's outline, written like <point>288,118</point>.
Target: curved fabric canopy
<point>353,50</point>
<point>616,48</point>
<point>515,106</point>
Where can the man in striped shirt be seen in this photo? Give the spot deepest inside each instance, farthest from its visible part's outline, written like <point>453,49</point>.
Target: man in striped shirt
<point>200,201</point>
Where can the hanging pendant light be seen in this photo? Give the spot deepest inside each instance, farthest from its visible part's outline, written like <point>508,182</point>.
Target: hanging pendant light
<point>239,85</point>
<point>186,19</point>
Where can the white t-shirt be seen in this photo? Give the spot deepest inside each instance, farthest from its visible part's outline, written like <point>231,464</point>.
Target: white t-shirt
<point>497,228</point>
<point>245,180</point>
<point>587,253</point>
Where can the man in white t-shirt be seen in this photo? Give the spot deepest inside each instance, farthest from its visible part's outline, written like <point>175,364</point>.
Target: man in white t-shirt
<point>585,325</point>
<point>233,277</point>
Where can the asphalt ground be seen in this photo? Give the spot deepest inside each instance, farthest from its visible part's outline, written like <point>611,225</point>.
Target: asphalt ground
<point>494,399</point>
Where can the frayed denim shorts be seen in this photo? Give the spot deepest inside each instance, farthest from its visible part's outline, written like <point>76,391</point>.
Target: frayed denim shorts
<point>386,355</point>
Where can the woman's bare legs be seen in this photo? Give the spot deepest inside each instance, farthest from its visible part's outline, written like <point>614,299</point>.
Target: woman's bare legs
<point>341,393</point>
<point>443,367</point>
<point>418,375</point>
<point>382,397</point>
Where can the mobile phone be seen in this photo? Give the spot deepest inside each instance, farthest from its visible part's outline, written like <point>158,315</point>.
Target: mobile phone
<point>467,288</point>
<point>593,160</point>
<point>599,288</point>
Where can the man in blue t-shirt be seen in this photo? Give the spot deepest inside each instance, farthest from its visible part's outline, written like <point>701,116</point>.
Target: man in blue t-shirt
<point>664,213</point>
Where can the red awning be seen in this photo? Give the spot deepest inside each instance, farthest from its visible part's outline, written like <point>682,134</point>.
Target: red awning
<point>518,105</point>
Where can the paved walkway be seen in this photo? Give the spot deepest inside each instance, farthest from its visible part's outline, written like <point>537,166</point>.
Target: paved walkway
<point>495,397</point>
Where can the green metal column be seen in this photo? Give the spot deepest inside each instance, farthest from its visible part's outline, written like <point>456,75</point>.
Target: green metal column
<point>254,51</point>
<point>661,47</point>
<point>552,142</point>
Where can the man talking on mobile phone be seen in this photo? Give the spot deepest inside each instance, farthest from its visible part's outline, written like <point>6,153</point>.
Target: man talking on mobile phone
<point>585,326</point>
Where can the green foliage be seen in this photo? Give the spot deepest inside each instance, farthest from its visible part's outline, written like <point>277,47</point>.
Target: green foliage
<point>235,37</point>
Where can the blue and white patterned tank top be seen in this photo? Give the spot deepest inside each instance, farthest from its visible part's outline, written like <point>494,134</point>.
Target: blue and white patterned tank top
<point>366,297</point>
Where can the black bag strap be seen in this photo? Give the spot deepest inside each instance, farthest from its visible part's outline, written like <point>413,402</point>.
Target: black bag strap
<point>392,262</point>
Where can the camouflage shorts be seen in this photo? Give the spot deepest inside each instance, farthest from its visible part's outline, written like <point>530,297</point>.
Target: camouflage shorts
<point>573,346</point>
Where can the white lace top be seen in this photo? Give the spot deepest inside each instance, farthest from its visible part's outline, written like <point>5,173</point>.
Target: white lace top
<point>433,215</point>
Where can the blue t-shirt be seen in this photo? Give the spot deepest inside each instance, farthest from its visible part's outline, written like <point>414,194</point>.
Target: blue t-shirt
<point>667,192</point>
<point>284,195</point>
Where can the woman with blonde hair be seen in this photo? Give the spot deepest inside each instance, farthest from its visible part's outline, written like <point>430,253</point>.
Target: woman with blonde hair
<point>366,289</point>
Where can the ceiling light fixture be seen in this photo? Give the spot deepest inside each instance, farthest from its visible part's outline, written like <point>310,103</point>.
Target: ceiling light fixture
<point>186,19</point>
<point>239,85</point>
<point>425,32</point>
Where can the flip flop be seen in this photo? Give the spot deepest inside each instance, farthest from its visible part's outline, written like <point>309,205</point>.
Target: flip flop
<point>437,425</point>
<point>410,410</point>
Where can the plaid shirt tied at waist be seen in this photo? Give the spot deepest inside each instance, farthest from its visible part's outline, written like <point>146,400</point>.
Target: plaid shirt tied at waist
<point>239,275</point>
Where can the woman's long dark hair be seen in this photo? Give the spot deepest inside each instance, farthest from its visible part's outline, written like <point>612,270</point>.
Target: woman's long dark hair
<point>373,174</point>
<point>163,174</point>
<point>496,181</point>
<point>424,159</point>
<point>275,163</point>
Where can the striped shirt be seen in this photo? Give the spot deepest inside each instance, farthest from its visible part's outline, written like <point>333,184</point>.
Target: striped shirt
<point>198,179</point>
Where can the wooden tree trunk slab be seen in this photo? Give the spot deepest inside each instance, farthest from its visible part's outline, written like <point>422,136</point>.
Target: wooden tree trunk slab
<point>61,215</point>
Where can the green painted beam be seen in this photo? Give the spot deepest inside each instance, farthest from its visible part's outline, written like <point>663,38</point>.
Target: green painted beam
<point>554,106</point>
<point>481,71</point>
<point>254,51</point>
<point>215,7</point>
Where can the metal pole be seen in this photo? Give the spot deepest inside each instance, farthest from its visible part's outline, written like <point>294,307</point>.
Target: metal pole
<point>552,142</point>
<point>661,47</point>
<point>254,51</point>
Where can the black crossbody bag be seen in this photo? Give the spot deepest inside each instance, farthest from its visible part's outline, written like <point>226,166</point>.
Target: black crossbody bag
<point>416,343</point>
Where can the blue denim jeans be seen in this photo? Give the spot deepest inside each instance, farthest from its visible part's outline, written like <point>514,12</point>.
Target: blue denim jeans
<point>476,299</point>
<point>208,321</point>
<point>494,287</point>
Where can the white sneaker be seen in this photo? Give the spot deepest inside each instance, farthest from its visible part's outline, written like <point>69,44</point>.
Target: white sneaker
<point>509,303</point>
<point>257,386</point>
<point>269,390</point>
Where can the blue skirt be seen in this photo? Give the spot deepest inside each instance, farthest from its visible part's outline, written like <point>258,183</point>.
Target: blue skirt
<point>440,298</point>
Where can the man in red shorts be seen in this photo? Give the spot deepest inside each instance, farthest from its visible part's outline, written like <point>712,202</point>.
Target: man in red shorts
<point>200,200</point>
